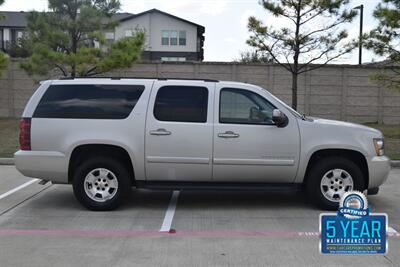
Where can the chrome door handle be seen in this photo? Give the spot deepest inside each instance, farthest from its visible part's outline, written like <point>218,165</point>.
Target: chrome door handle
<point>228,134</point>
<point>160,131</point>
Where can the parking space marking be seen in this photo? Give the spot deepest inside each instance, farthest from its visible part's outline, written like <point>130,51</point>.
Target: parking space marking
<point>169,215</point>
<point>12,191</point>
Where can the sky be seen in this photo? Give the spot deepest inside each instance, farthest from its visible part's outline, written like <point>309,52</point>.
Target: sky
<point>225,22</point>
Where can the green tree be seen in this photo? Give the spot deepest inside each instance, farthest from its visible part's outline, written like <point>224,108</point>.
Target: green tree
<point>385,41</point>
<point>65,38</point>
<point>3,57</point>
<point>313,34</point>
<point>254,57</point>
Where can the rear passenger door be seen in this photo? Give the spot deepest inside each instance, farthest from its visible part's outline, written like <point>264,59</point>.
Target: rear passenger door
<point>179,131</point>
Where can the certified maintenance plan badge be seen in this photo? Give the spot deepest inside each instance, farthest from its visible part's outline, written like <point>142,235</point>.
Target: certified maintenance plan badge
<point>353,230</point>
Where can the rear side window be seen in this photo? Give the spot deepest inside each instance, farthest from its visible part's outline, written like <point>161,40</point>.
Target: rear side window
<point>181,103</point>
<point>88,101</point>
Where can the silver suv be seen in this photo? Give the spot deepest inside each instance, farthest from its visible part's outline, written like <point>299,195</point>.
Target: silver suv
<point>105,135</point>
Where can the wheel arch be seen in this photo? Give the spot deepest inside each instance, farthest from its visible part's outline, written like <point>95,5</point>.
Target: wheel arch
<point>353,155</point>
<point>80,152</point>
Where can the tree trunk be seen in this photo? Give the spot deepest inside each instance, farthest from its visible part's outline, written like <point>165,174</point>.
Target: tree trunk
<point>294,91</point>
<point>295,71</point>
<point>74,49</point>
<point>73,70</point>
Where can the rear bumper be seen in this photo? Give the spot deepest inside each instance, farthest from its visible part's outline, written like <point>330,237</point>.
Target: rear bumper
<point>48,165</point>
<point>379,168</point>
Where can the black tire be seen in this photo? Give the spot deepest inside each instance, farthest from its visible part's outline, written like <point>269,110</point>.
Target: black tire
<point>121,174</point>
<point>320,168</point>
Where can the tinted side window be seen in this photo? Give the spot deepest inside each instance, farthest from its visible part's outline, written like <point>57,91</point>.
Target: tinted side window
<point>181,103</point>
<point>88,101</point>
<point>244,107</point>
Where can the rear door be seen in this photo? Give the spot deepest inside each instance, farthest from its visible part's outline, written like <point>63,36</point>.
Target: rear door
<point>179,130</point>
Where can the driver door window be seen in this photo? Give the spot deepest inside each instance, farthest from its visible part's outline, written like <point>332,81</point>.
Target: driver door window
<point>238,106</point>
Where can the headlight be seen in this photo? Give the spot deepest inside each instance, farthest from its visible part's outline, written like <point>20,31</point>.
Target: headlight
<point>379,146</point>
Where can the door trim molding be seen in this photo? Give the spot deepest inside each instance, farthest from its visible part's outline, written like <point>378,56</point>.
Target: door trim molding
<point>266,162</point>
<point>183,160</point>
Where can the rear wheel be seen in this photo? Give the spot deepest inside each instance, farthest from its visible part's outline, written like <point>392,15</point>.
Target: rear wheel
<point>330,178</point>
<point>101,184</point>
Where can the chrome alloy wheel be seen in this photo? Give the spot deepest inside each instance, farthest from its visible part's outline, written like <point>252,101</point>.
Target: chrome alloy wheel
<point>335,183</point>
<point>101,184</point>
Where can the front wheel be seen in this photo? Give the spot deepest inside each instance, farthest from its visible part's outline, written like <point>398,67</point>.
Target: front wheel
<point>330,178</point>
<point>101,184</point>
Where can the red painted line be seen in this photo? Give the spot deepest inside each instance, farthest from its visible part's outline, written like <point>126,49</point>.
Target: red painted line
<point>108,233</point>
<point>244,234</point>
<point>76,233</point>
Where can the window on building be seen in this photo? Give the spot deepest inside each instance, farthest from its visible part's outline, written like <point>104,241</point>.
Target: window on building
<point>1,39</point>
<point>173,59</point>
<point>198,44</point>
<point>128,33</point>
<point>88,101</point>
<point>181,103</point>
<point>16,36</point>
<point>182,37</point>
<point>240,106</point>
<point>165,37</point>
<point>173,37</point>
<point>109,35</point>
<point>20,34</point>
<point>173,40</point>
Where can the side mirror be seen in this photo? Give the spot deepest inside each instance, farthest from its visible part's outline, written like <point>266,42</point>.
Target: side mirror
<point>279,118</point>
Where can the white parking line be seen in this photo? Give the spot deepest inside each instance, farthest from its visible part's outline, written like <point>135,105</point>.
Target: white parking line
<point>12,191</point>
<point>169,215</point>
<point>391,230</point>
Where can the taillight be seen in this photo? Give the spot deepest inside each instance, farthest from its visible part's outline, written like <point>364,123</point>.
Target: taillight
<point>25,134</point>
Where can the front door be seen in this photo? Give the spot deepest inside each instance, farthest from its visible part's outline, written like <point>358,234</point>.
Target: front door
<point>248,146</point>
<point>179,131</point>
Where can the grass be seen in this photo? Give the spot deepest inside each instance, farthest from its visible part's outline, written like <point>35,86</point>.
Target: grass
<point>9,132</point>
<point>9,135</point>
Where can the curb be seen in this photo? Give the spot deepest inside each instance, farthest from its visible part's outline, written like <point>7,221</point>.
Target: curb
<point>395,163</point>
<point>6,161</point>
<point>10,161</point>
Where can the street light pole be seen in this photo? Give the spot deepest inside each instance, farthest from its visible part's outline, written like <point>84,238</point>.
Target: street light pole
<point>360,41</point>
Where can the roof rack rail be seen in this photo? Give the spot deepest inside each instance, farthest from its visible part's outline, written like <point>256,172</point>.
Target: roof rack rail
<point>143,78</point>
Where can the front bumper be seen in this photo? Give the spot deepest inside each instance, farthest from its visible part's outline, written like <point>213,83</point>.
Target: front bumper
<point>378,168</point>
<point>47,165</point>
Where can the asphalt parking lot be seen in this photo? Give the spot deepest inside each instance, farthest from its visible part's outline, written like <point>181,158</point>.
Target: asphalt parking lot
<point>43,225</point>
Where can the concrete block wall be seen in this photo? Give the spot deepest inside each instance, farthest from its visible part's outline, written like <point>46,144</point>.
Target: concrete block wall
<point>342,92</point>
